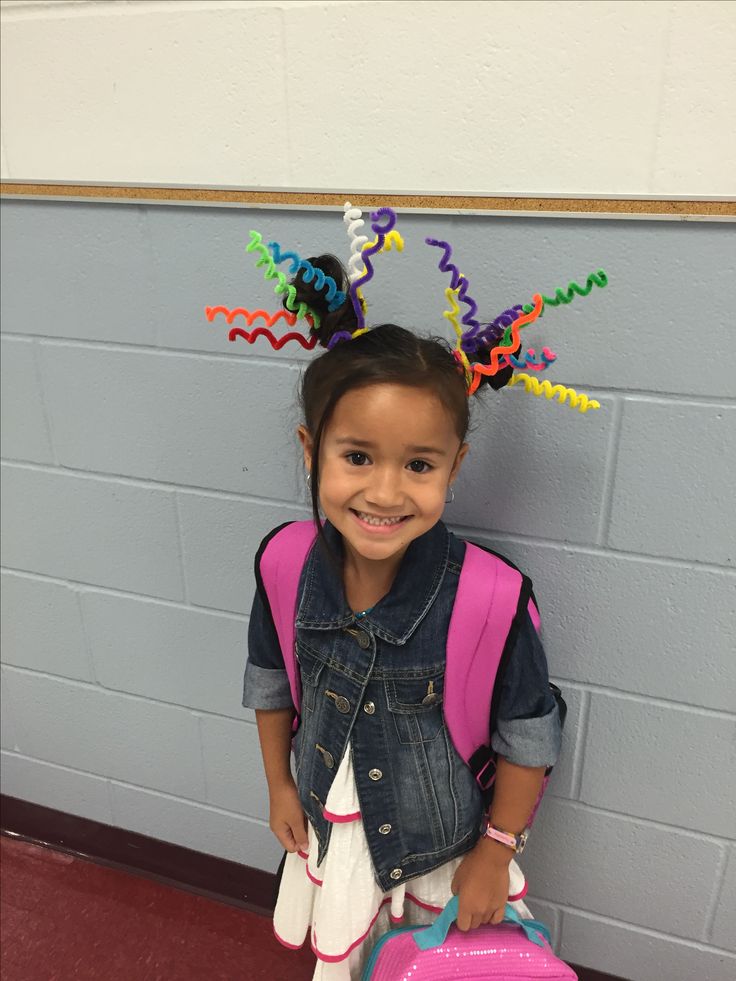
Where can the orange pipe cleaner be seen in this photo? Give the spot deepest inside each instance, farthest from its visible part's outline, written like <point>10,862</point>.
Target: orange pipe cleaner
<point>230,315</point>
<point>498,352</point>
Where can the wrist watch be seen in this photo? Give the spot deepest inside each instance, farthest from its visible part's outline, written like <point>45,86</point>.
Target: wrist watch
<point>517,842</point>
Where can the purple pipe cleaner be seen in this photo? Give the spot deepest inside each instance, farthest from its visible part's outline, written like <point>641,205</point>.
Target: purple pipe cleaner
<point>473,341</point>
<point>457,280</point>
<point>340,335</point>
<point>381,231</point>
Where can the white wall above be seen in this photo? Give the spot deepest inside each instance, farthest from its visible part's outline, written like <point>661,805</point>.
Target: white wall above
<point>541,98</point>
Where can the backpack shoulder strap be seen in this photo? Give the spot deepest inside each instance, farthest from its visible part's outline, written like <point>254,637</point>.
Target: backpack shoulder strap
<point>491,596</point>
<point>281,563</point>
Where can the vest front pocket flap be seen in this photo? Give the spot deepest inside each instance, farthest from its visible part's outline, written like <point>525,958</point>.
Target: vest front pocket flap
<point>410,696</point>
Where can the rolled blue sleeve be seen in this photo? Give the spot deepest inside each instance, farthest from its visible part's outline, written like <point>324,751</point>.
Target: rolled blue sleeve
<point>265,683</point>
<point>528,728</point>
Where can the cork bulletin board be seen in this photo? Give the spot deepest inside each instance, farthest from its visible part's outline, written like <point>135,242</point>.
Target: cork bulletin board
<point>597,207</point>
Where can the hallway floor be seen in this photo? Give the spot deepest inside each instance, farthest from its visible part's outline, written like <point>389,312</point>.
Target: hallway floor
<point>68,919</point>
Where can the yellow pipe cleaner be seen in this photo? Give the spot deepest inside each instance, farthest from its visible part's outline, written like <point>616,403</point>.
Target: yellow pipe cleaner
<point>451,315</point>
<point>393,238</point>
<point>578,400</point>
<point>282,286</point>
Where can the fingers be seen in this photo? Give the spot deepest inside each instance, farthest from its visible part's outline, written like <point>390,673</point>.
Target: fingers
<point>299,831</point>
<point>286,838</point>
<point>292,836</point>
<point>464,919</point>
<point>467,920</point>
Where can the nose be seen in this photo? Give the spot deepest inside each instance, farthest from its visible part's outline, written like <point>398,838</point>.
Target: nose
<point>384,490</point>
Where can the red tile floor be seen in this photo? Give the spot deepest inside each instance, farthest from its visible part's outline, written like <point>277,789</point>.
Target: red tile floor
<point>66,919</point>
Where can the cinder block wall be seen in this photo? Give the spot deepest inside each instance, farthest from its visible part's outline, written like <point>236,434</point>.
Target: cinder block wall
<point>145,457</point>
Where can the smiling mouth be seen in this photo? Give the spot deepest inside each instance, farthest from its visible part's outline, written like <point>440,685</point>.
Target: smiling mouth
<point>379,522</point>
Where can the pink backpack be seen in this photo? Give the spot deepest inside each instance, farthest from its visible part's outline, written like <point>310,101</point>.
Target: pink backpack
<point>513,950</point>
<point>489,595</point>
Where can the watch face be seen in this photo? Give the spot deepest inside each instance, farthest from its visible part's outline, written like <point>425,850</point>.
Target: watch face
<point>522,842</point>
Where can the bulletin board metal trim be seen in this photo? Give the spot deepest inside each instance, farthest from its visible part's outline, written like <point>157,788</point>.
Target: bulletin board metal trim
<point>558,206</point>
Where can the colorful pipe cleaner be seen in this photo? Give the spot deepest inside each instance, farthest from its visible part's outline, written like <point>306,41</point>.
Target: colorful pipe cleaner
<point>498,340</point>
<point>380,232</point>
<point>310,272</point>
<point>578,400</point>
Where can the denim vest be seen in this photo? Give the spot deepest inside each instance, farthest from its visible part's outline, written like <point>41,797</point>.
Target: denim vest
<point>376,684</point>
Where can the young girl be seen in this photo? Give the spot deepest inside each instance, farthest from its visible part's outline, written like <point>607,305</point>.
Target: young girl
<point>382,820</point>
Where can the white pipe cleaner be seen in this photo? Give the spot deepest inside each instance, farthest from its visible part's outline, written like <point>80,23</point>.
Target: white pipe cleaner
<point>353,218</point>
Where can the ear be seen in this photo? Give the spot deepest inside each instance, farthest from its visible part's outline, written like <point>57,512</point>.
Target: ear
<point>461,454</point>
<point>307,443</point>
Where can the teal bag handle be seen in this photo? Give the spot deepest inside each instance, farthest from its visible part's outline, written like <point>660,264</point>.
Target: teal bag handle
<point>436,934</point>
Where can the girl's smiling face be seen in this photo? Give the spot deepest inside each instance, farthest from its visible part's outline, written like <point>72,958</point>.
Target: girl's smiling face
<point>389,451</point>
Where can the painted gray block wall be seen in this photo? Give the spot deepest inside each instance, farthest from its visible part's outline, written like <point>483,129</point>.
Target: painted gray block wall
<point>145,456</point>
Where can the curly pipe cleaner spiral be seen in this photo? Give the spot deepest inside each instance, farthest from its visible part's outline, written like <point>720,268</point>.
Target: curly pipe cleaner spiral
<point>301,310</point>
<point>270,318</point>
<point>393,238</point>
<point>276,342</point>
<point>493,332</point>
<point>353,218</point>
<point>451,315</point>
<point>457,282</point>
<point>578,400</point>
<point>334,295</point>
<point>498,352</point>
<point>598,278</point>
<point>380,231</point>
<point>529,360</point>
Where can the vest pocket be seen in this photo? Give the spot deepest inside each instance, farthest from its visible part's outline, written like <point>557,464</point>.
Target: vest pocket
<point>416,707</point>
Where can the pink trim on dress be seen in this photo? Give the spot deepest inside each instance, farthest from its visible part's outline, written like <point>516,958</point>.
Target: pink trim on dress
<point>427,906</point>
<point>285,943</point>
<point>334,958</point>
<point>341,818</point>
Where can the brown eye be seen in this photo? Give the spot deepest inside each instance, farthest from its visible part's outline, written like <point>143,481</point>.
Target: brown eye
<point>350,456</point>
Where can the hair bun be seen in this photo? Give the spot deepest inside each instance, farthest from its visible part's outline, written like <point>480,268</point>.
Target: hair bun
<point>331,321</point>
<point>502,377</point>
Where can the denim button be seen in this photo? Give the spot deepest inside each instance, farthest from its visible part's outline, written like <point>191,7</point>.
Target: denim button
<point>396,873</point>
<point>369,708</point>
<point>364,640</point>
<point>384,829</point>
<point>327,757</point>
<point>375,774</point>
<point>342,704</point>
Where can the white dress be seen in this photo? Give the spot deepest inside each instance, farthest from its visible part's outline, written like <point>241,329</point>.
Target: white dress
<point>340,905</point>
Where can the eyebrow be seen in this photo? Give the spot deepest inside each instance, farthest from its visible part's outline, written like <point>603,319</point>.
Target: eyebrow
<point>344,440</point>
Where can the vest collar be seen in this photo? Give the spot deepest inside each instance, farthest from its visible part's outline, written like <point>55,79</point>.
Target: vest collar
<point>397,615</point>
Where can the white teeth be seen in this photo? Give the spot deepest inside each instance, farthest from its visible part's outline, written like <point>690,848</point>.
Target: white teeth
<point>369,519</point>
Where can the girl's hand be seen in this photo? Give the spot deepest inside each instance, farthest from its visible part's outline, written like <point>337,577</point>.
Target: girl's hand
<point>287,819</point>
<point>482,884</point>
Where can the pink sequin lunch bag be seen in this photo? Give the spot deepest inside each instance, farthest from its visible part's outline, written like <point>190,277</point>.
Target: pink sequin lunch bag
<point>514,950</point>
